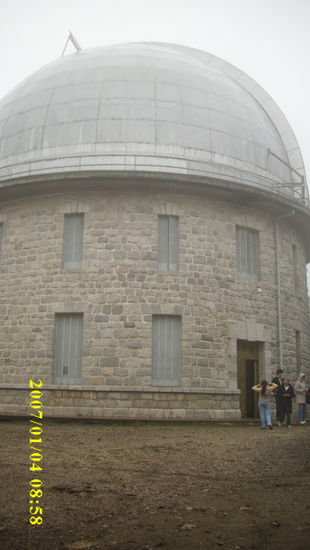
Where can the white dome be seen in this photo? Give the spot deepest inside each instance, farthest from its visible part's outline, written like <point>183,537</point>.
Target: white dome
<point>147,108</point>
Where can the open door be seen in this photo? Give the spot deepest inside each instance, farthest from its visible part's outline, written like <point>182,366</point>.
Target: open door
<point>247,376</point>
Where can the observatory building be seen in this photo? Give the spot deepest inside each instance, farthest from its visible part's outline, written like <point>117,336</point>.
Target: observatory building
<point>155,225</point>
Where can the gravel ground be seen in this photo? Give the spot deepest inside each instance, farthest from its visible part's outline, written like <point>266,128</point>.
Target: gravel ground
<point>148,486</point>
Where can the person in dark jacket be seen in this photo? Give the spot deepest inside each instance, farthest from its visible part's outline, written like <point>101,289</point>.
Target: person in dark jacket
<point>279,381</point>
<point>286,394</point>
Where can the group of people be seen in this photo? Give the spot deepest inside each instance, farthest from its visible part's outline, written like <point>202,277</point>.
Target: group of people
<point>283,392</point>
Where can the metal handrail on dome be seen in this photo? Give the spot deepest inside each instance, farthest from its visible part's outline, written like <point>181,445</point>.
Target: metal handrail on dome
<point>293,185</point>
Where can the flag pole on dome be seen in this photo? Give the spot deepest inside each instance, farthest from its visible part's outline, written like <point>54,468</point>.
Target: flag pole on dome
<point>74,41</point>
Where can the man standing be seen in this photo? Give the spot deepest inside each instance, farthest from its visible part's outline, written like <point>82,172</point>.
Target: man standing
<point>278,380</point>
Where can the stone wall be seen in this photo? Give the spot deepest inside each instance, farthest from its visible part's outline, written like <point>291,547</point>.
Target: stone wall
<point>119,288</point>
<point>131,403</point>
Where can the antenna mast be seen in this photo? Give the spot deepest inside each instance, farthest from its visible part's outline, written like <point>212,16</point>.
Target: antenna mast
<point>74,41</point>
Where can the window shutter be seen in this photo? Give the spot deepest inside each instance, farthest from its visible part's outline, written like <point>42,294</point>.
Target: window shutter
<point>295,268</point>
<point>241,251</point>
<point>163,242</point>
<point>166,350</point>
<point>247,253</point>
<point>253,253</point>
<point>68,351</point>
<point>73,240</point>
<point>173,243</point>
<point>168,242</point>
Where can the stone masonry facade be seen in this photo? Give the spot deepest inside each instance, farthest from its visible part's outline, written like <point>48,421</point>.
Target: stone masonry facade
<point>119,289</point>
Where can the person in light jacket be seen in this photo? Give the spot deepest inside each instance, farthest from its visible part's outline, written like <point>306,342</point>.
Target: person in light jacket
<point>301,390</point>
<point>264,389</point>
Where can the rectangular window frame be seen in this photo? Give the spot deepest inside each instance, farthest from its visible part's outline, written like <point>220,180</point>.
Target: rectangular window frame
<point>166,350</point>
<point>68,348</point>
<point>168,242</point>
<point>73,241</point>
<point>1,237</point>
<point>295,267</point>
<point>247,253</point>
<point>298,350</point>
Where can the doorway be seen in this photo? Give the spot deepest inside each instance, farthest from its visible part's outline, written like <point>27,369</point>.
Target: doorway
<point>247,376</point>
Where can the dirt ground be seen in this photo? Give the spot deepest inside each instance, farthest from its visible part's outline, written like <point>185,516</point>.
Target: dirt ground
<point>149,486</point>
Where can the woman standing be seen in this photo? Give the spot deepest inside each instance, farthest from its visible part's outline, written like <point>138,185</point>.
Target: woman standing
<point>286,393</point>
<point>301,390</point>
<point>264,389</point>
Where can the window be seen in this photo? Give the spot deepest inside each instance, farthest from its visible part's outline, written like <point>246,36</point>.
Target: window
<point>73,241</point>
<point>247,253</point>
<point>295,267</point>
<point>166,350</point>
<point>68,349</point>
<point>298,350</point>
<point>168,242</point>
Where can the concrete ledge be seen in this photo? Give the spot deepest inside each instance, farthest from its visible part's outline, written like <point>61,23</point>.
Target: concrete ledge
<point>83,413</point>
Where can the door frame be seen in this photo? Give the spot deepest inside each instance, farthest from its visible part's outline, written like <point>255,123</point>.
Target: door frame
<point>247,351</point>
